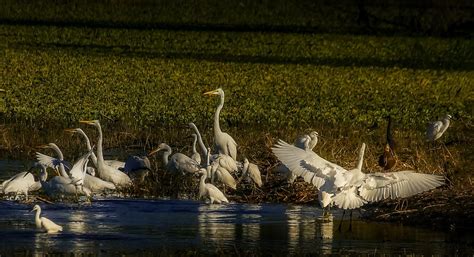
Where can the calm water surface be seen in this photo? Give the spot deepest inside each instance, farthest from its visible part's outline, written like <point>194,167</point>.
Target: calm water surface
<point>135,227</point>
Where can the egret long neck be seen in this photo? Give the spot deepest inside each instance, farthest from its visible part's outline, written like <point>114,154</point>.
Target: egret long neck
<point>194,144</point>
<point>202,185</point>
<point>37,218</point>
<point>100,155</point>
<point>217,128</point>
<point>166,154</point>
<point>199,138</point>
<point>361,157</point>
<point>89,146</point>
<point>445,124</point>
<point>62,170</point>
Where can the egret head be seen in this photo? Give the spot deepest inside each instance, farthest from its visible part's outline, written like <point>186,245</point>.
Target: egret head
<point>448,116</point>
<point>36,208</point>
<point>90,171</point>
<point>218,91</point>
<point>72,130</point>
<point>49,146</point>
<point>160,147</point>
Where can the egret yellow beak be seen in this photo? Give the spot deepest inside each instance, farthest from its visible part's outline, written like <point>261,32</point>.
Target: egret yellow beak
<point>154,151</point>
<point>43,146</point>
<point>86,121</point>
<point>213,92</point>
<point>70,130</point>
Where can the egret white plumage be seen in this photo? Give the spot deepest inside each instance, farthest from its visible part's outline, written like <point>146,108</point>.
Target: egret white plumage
<point>90,182</point>
<point>178,163</point>
<point>59,186</point>
<point>436,129</point>
<point>195,156</point>
<point>199,138</point>
<point>251,170</point>
<point>45,223</point>
<point>351,189</point>
<point>107,172</point>
<point>305,142</point>
<point>22,182</point>
<point>308,141</point>
<point>223,175</point>
<point>209,190</point>
<point>224,143</point>
<point>113,163</point>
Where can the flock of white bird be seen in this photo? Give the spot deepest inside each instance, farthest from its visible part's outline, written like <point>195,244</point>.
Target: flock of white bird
<point>337,186</point>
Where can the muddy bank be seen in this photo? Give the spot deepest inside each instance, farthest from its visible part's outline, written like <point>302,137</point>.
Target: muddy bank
<point>442,209</point>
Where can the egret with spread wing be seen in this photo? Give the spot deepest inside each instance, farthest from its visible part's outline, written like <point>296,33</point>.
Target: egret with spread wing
<point>351,189</point>
<point>224,143</point>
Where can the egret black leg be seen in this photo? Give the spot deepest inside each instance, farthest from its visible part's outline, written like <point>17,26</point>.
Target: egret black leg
<point>350,221</point>
<point>342,219</point>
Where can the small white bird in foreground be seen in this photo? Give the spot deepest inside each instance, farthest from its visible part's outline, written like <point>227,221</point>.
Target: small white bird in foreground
<point>45,223</point>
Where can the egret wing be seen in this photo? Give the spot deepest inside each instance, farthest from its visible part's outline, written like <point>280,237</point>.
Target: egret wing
<point>78,171</point>
<point>215,193</point>
<point>433,129</point>
<point>306,164</point>
<point>50,225</point>
<point>184,163</point>
<point>51,162</point>
<point>379,186</point>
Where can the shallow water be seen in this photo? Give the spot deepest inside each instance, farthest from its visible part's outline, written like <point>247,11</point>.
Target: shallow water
<point>112,227</point>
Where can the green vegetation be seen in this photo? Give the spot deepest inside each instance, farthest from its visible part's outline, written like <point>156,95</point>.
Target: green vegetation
<point>145,81</point>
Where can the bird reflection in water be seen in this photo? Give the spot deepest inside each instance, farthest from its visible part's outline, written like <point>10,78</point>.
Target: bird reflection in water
<point>326,232</point>
<point>215,224</point>
<point>301,228</point>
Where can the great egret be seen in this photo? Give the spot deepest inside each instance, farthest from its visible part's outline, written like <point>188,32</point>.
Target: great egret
<point>107,172</point>
<point>252,171</point>
<point>199,138</point>
<point>59,186</point>
<point>224,143</point>
<point>223,175</point>
<point>351,189</point>
<point>209,190</point>
<point>195,156</point>
<point>178,163</point>
<point>52,162</point>
<point>113,163</point>
<point>90,182</point>
<point>387,159</point>
<point>436,129</point>
<point>22,182</point>
<point>45,223</point>
<point>308,141</point>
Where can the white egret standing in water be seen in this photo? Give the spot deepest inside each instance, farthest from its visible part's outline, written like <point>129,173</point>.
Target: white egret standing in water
<point>107,172</point>
<point>436,129</point>
<point>224,143</point>
<point>209,190</point>
<point>45,223</point>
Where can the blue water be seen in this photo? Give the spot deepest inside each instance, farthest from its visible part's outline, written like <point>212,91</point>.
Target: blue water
<point>147,227</point>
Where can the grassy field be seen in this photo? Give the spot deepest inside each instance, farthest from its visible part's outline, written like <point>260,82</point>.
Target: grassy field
<point>146,82</point>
